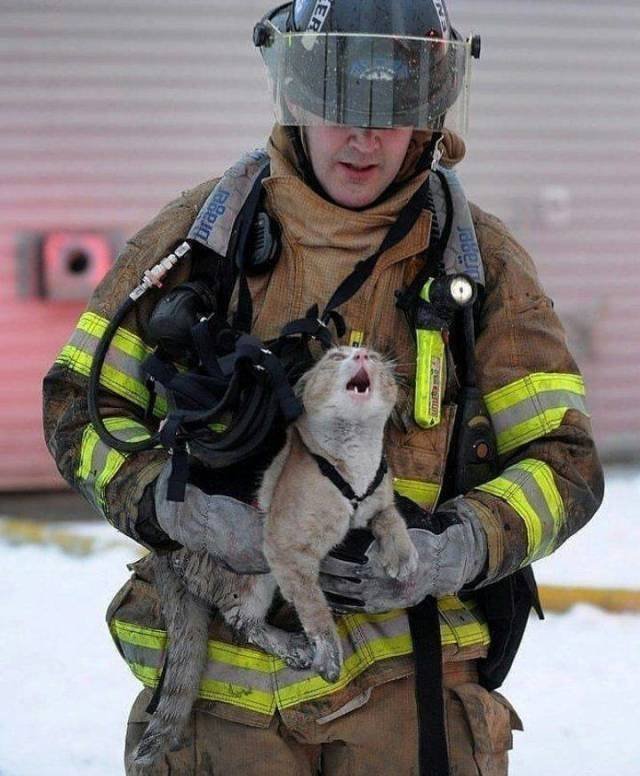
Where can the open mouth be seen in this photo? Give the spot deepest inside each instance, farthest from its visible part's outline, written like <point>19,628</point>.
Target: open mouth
<point>356,169</point>
<point>360,383</point>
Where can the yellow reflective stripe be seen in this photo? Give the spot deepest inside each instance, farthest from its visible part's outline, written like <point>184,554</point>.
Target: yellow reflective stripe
<point>423,493</point>
<point>465,624</point>
<point>470,634</point>
<point>87,446</point>
<point>537,382</point>
<point>124,340</point>
<point>392,646</point>
<point>238,692</point>
<point>111,378</point>
<point>147,675</point>
<point>522,433</point>
<point>213,690</point>
<point>151,638</point>
<point>114,461</point>
<point>210,689</point>
<point>529,488</point>
<point>243,657</point>
<point>533,406</point>
<point>353,621</point>
<point>120,372</point>
<point>354,665</point>
<point>450,603</point>
<point>99,463</point>
<point>238,695</point>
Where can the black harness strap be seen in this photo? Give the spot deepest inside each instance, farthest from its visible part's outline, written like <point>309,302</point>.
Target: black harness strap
<point>407,300</point>
<point>330,471</point>
<point>243,318</point>
<point>363,269</point>
<point>424,624</point>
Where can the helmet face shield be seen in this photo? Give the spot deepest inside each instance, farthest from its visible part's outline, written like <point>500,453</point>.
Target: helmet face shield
<point>358,80</point>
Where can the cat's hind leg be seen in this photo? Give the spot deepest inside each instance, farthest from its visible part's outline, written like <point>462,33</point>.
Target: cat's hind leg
<point>247,617</point>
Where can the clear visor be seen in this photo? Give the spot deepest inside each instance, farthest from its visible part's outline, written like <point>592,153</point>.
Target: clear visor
<point>368,80</point>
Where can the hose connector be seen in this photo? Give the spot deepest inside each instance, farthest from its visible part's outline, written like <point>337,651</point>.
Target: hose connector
<point>153,277</point>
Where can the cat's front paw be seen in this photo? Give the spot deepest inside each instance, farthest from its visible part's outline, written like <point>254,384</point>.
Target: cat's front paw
<point>399,557</point>
<point>327,659</point>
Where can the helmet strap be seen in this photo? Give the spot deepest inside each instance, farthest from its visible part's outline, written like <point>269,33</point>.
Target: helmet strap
<point>432,153</point>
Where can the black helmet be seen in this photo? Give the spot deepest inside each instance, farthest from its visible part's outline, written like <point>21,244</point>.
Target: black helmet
<point>370,63</point>
<point>410,18</point>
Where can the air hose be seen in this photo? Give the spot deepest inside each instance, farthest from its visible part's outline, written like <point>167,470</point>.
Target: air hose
<point>152,277</point>
<point>249,381</point>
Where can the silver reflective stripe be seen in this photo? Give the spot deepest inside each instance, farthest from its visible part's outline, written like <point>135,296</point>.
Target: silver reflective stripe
<point>531,408</point>
<point>245,677</point>
<point>233,674</point>
<point>538,502</point>
<point>143,656</point>
<point>121,372</point>
<point>215,221</point>
<point>530,490</point>
<point>462,253</point>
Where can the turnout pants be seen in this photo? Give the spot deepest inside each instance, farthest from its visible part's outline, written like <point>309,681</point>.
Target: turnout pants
<point>379,737</point>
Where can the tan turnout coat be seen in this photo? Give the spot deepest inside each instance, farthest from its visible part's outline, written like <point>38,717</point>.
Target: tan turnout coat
<point>551,481</point>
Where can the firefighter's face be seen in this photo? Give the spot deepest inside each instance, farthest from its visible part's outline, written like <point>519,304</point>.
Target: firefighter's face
<point>354,166</point>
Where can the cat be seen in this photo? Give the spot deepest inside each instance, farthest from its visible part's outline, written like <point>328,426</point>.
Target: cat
<point>347,396</point>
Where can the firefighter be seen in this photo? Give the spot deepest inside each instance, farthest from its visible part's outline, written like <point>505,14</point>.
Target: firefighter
<point>368,96</point>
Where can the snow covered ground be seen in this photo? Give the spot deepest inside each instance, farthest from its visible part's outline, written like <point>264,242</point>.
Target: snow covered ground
<point>65,692</point>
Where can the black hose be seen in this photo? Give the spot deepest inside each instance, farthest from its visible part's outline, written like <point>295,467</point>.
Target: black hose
<point>256,414</point>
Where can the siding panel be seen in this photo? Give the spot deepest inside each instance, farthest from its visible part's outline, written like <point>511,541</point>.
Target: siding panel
<point>110,109</point>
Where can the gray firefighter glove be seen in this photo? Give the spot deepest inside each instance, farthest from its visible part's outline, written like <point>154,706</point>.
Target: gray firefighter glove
<point>452,552</point>
<point>226,528</point>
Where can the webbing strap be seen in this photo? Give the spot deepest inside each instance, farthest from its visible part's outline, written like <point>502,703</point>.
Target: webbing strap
<point>330,471</point>
<point>363,269</point>
<point>243,317</point>
<point>424,623</point>
<point>312,326</point>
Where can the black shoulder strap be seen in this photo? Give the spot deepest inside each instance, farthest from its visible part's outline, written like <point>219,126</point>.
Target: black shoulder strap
<point>238,251</point>
<point>398,231</point>
<point>218,223</point>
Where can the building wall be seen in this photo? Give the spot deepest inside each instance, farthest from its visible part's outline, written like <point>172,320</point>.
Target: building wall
<point>110,109</point>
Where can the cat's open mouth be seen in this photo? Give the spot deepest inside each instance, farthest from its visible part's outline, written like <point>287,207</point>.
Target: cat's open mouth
<point>360,383</point>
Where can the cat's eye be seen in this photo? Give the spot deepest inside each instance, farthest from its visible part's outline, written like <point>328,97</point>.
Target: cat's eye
<point>337,356</point>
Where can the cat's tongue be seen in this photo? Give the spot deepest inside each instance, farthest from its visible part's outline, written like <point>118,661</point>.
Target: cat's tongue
<point>360,383</point>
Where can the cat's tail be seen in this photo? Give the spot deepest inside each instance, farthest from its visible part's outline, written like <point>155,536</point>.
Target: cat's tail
<point>187,622</point>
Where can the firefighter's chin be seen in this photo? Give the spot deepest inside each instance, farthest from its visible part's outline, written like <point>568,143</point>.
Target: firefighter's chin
<point>356,186</point>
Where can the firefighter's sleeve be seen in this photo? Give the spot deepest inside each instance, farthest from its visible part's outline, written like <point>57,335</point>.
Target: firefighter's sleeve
<point>550,482</point>
<point>118,485</point>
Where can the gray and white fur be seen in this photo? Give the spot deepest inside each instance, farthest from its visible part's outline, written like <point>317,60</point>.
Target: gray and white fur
<point>348,396</point>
